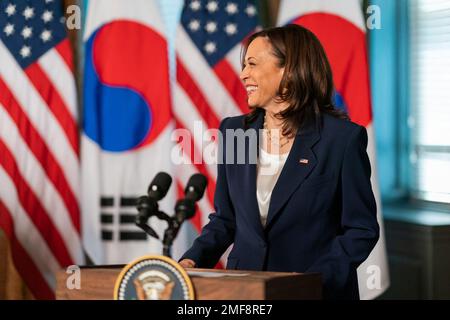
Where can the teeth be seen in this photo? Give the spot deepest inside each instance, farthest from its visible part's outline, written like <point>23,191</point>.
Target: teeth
<point>251,88</point>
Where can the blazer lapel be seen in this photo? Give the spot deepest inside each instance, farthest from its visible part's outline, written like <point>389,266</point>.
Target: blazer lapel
<point>248,174</point>
<point>300,162</point>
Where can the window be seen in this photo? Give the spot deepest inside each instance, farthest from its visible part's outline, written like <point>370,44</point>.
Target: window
<point>429,120</point>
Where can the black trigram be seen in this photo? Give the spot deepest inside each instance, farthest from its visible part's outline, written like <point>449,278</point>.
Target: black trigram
<point>113,229</point>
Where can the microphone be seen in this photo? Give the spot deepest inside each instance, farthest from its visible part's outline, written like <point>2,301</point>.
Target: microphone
<point>185,208</point>
<point>147,206</point>
<point>159,186</point>
<point>196,187</point>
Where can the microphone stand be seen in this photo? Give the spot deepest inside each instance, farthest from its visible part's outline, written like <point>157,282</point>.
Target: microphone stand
<point>173,226</point>
<point>142,218</point>
<point>169,235</point>
<point>184,209</point>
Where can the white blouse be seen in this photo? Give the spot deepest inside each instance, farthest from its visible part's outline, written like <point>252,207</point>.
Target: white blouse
<point>268,170</point>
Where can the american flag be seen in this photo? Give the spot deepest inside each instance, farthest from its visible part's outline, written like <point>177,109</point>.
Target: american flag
<point>39,144</point>
<point>208,89</point>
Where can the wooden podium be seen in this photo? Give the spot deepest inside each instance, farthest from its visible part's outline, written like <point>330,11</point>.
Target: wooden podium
<point>97,283</point>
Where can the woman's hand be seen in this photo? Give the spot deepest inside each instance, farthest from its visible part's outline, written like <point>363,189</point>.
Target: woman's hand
<point>187,263</point>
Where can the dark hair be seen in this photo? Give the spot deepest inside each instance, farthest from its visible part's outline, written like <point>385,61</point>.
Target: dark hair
<point>307,82</point>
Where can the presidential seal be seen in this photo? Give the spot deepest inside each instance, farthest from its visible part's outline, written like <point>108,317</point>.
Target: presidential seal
<point>153,278</point>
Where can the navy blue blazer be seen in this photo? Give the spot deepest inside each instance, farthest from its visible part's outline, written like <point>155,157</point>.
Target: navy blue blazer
<point>322,213</point>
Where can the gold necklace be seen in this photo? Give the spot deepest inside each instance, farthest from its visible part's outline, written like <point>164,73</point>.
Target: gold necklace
<point>269,136</point>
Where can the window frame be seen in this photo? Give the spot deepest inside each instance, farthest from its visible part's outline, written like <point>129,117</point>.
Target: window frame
<point>395,145</point>
<point>406,103</point>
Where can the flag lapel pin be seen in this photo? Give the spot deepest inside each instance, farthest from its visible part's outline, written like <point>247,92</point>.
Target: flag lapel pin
<point>303,161</point>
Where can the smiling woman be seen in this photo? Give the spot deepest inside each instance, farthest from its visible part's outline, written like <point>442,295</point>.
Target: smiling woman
<point>314,210</point>
<point>294,70</point>
<point>261,74</point>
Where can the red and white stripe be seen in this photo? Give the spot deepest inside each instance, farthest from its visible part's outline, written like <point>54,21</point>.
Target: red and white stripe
<point>190,60</point>
<point>39,166</point>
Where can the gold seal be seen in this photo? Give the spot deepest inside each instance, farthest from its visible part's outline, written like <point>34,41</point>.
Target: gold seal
<point>153,278</point>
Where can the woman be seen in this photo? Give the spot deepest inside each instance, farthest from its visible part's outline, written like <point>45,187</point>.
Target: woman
<point>314,210</point>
